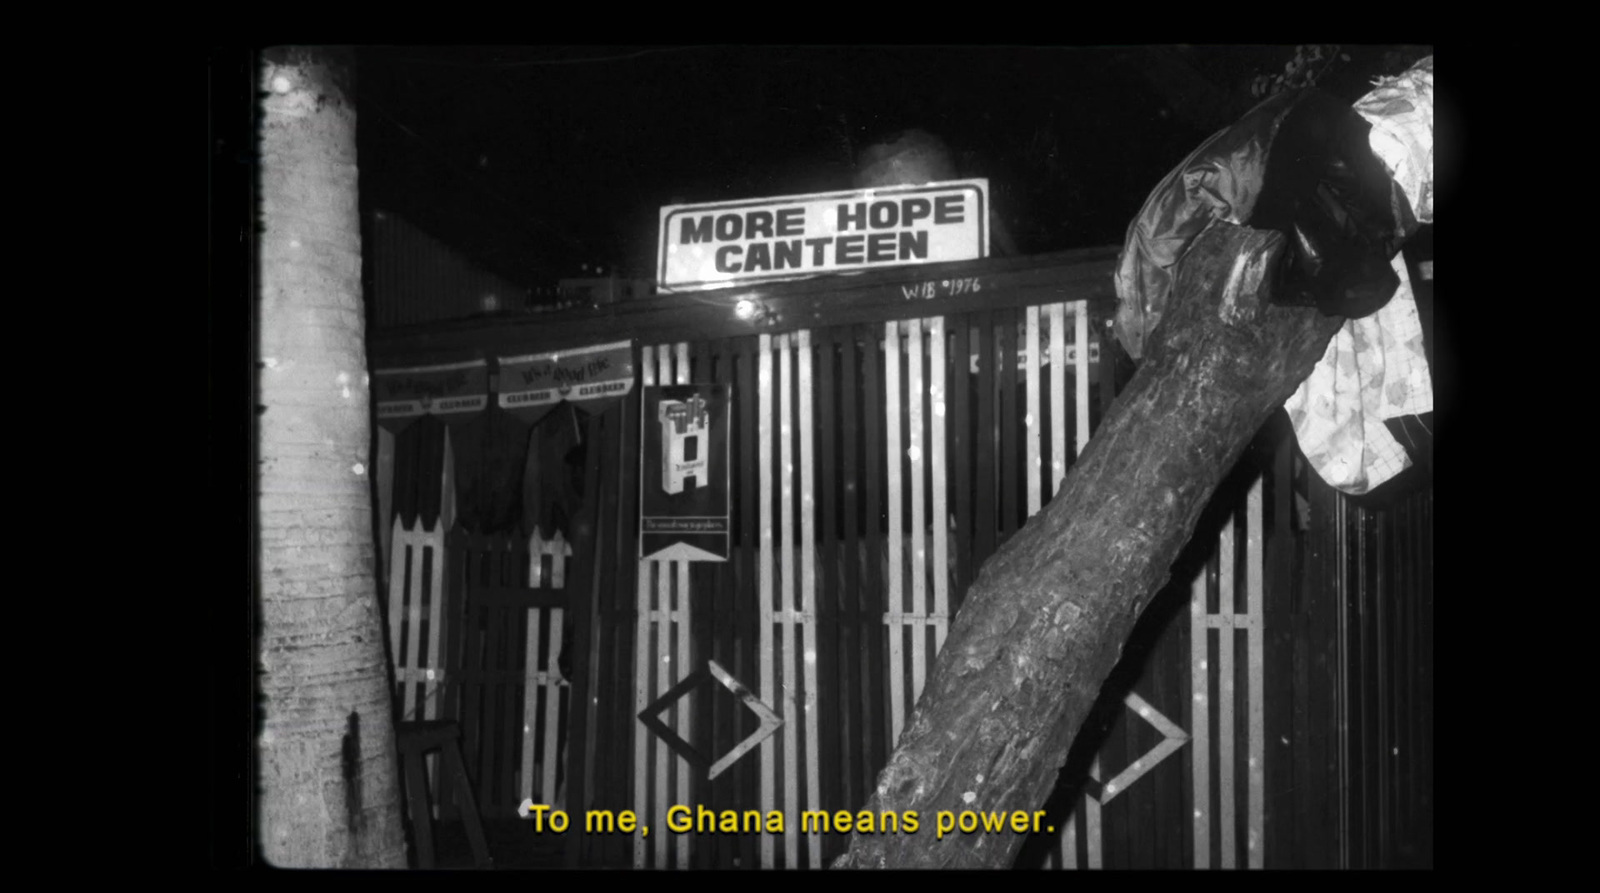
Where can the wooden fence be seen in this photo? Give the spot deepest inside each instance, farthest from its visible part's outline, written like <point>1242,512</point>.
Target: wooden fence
<point>889,460</point>
<point>875,465</point>
<point>474,638</point>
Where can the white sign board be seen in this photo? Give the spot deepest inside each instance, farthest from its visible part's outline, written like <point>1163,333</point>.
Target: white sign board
<point>719,244</point>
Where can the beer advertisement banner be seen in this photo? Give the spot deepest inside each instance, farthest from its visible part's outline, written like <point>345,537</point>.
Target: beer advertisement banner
<point>683,504</point>
<point>591,377</point>
<point>454,393</point>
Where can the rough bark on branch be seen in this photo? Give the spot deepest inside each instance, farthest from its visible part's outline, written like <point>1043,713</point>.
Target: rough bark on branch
<point>1044,623</point>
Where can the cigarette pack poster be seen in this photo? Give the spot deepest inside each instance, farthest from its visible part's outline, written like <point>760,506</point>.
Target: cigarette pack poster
<point>684,502</point>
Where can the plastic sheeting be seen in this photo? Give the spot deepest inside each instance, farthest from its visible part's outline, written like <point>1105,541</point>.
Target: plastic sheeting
<point>1298,163</point>
<point>1345,186</point>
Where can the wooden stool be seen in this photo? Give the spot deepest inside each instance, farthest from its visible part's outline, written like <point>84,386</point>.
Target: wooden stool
<point>415,739</point>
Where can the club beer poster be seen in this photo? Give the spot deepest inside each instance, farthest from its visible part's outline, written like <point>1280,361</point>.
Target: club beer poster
<point>683,504</point>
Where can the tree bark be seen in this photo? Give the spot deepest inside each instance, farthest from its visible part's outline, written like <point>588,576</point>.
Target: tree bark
<point>327,762</point>
<point>1044,623</point>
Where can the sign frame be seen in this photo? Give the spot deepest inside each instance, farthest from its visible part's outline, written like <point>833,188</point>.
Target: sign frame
<point>802,236</point>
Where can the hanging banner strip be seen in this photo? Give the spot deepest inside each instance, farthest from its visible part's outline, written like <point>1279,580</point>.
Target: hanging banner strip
<point>595,376</point>
<point>452,392</point>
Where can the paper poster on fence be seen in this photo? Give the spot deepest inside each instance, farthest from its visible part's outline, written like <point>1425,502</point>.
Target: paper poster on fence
<point>454,393</point>
<point>683,476</point>
<point>591,377</point>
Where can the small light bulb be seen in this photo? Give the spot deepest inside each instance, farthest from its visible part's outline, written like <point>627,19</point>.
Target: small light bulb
<point>745,309</point>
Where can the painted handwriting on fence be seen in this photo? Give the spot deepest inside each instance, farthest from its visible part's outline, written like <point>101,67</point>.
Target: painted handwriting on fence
<point>941,288</point>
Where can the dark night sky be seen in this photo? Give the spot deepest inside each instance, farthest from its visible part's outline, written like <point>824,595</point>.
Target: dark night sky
<point>534,160</point>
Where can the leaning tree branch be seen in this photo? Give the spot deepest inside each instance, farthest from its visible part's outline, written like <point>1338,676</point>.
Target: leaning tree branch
<point>1045,622</point>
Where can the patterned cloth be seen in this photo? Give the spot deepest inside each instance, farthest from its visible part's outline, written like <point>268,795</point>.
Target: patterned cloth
<point>1400,110</point>
<point>1375,368</point>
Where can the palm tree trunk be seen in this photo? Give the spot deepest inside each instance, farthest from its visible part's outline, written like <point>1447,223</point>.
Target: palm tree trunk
<point>329,794</point>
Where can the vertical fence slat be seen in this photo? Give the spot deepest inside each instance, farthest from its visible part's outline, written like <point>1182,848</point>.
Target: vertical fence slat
<point>787,597</point>
<point>895,541</point>
<point>413,628</point>
<point>769,692</point>
<point>939,390</point>
<point>1343,604</point>
<point>450,660</point>
<point>383,474</point>
<point>831,711</point>
<point>1032,422</point>
<point>1058,395</point>
<point>710,586</point>
<point>1110,351</point>
<point>1095,844</point>
<point>752,528</point>
<point>854,688</point>
<point>474,739</point>
<point>1255,558</point>
<point>680,663</point>
<point>808,590</point>
<point>1009,454</point>
<point>1280,835</point>
<point>661,629</point>
<point>642,737</point>
<point>1056,313</point>
<point>397,587</point>
<point>560,550</point>
<point>984,520</point>
<point>680,668</point>
<point>875,668</point>
<point>447,496</point>
<point>617,727</point>
<point>1384,673</point>
<point>549,680</point>
<point>515,624</point>
<point>1322,638</point>
<point>1080,337</point>
<point>573,757</point>
<point>1226,644</point>
<point>494,631</point>
<point>1200,729</point>
<point>530,696</point>
<point>958,383</point>
<point>915,391</point>
<point>712,628</point>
